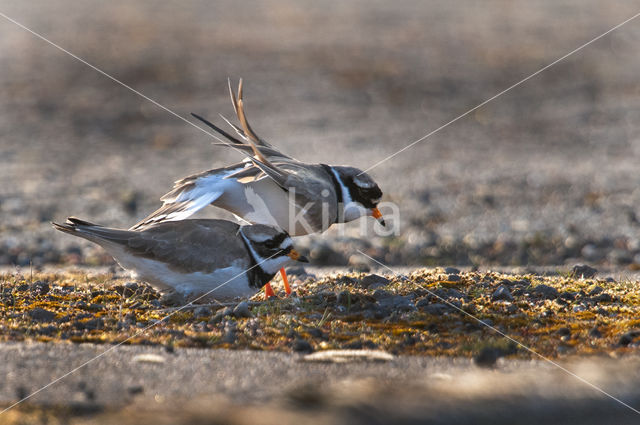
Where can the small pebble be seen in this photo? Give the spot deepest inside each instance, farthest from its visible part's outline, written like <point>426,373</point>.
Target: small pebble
<point>229,332</point>
<point>545,291</point>
<point>242,310</point>
<point>628,337</point>
<point>487,357</point>
<point>40,288</point>
<point>437,309</point>
<point>135,389</point>
<point>596,290</point>
<point>301,346</point>
<point>595,333</point>
<point>221,314</point>
<point>602,298</point>
<point>583,271</point>
<point>202,312</point>
<point>451,270</point>
<point>502,294</point>
<point>373,279</point>
<point>41,315</point>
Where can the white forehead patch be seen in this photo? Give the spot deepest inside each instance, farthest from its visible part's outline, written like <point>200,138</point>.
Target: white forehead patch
<point>286,244</point>
<point>260,237</point>
<point>363,183</point>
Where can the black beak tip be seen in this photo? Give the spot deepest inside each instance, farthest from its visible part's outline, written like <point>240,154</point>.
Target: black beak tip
<point>381,221</point>
<point>303,259</point>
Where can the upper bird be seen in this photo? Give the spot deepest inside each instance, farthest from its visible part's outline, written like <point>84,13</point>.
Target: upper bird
<point>269,187</point>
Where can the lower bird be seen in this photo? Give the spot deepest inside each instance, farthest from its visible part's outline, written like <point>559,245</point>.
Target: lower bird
<point>203,260</point>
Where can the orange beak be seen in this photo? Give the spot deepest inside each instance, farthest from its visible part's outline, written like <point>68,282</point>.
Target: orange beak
<point>375,212</point>
<point>295,255</point>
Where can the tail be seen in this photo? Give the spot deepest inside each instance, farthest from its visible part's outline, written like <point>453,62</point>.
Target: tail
<point>72,225</point>
<point>91,231</point>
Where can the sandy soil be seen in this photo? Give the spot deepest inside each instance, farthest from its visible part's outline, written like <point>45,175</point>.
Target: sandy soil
<point>145,385</point>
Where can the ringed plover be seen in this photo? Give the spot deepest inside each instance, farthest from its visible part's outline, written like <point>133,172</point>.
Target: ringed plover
<point>213,259</point>
<point>271,188</point>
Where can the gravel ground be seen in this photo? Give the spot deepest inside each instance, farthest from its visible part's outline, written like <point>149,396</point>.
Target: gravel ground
<point>546,174</point>
<point>147,385</point>
<point>156,381</point>
<point>428,312</point>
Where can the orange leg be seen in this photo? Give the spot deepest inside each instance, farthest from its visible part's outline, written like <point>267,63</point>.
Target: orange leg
<point>268,291</point>
<point>287,288</point>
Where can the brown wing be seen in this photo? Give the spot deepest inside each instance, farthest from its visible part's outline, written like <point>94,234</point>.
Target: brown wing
<point>188,245</point>
<point>191,245</point>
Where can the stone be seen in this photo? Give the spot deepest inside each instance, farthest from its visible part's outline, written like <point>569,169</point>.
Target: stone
<point>487,357</point>
<point>135,389</point>
<point>202,312</point>
<point>454,278</point>
<point>502,294</point>
<point>40,288</point>
<point>90,324</point>
<point>301,346</point>
<point>583,271</point>
<point>345,298</point>
<point>628,337</point>
<point>395,302</point>
<point>437,309</point>
<point>451,270</point>
<point>242,310</point>
<point>373,279</point>
<point>229,332</point>
<point>316,333</point>
<point>380,294</point>
<point>596,290</point>
<point>220,314</point>
<point>172,298</point>
<point>41,315</point>
<point>545,291</point>
<point>595,333</point>
<point>602,298</point>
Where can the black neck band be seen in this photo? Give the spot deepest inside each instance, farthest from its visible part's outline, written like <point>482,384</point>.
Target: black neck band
<point>336,183</point>
<point>256,276</point>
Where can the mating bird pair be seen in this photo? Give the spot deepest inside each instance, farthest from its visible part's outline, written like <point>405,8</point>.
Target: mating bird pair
<point>221,260</point>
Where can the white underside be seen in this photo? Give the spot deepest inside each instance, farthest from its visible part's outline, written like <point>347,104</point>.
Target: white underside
<point>257,201</point>
<point>222,284</point>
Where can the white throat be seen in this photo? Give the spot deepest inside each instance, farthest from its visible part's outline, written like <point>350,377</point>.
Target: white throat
<point>350,210</point>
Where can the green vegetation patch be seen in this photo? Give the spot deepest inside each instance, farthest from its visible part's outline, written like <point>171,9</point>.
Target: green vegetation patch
<point>426,312</point>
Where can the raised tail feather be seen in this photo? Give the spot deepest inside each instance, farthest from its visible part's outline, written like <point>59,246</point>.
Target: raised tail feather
<point>72,224</point>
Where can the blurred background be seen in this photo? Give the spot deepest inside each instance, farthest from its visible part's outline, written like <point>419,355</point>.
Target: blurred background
<point>547,174</point>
